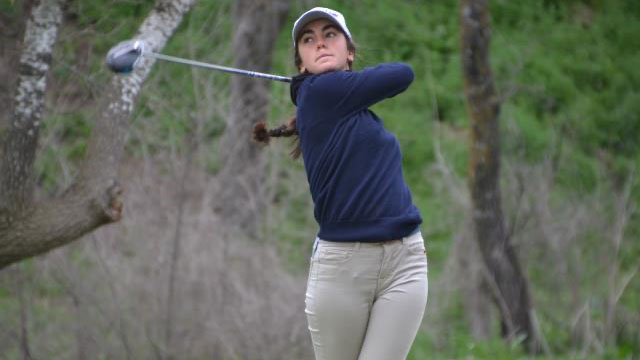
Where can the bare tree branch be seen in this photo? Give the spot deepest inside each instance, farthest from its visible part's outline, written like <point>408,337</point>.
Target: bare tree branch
<point>624,209</point>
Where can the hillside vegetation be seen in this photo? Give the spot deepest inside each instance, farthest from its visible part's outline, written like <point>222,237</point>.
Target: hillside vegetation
<point>567,74</point>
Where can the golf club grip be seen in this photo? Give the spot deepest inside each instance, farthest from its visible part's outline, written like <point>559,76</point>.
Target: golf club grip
<point>216,67</point>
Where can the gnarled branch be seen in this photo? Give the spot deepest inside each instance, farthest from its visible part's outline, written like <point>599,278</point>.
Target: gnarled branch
<point>28,229</point>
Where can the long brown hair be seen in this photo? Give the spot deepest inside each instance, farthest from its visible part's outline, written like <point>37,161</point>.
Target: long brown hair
<point>261,134</point>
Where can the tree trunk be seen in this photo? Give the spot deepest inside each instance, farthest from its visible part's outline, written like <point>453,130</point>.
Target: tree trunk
<point>176,252</point>
<point>506,280</point>
<point>16,181</point>
<point>12,27</point>
<point>28,229</point>
<point>22,280</point>
<point>240,195</point>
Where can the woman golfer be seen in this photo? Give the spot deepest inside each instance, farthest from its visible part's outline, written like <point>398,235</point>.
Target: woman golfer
<point>367,287</point>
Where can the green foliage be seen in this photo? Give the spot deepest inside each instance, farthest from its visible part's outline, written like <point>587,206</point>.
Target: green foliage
<point>9,7</point>
<point>580,75</point>
<point>65,137</point>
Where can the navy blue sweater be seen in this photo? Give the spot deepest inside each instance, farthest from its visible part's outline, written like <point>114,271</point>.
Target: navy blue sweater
<point>354,165</point>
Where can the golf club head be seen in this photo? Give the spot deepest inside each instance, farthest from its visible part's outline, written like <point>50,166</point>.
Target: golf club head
<point>123,57</point>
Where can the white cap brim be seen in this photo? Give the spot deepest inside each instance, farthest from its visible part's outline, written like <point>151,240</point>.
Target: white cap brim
<point>319,13</point>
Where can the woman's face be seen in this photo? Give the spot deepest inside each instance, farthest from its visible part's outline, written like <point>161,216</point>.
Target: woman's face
<point>323,47</point>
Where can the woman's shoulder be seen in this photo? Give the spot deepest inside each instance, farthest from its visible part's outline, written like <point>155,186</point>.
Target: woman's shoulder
<point>304,84</point>
<point>362,88</point>
<point>393,69</point>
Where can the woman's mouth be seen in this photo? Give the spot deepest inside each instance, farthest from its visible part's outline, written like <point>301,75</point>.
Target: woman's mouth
<point>322,56</point>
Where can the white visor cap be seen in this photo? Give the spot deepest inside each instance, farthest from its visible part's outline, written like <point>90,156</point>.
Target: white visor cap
<point>319,13</point>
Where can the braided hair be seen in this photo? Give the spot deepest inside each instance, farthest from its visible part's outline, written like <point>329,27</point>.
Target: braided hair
<point>263,135</point>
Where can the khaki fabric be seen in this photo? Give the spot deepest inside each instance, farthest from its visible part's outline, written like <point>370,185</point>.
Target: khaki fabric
<point>365,301</point>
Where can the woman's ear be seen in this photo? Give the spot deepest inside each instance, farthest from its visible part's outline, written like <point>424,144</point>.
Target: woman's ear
<point>302,70</point>
<point>350,56</point>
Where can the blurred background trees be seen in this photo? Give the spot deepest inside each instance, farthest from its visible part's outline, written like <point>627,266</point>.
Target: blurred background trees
<point>175,277</point>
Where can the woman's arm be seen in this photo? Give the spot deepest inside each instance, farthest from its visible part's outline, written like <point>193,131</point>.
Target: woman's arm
<point>349,91</point>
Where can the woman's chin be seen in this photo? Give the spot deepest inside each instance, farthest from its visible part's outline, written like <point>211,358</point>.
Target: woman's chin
<point>326,67</point>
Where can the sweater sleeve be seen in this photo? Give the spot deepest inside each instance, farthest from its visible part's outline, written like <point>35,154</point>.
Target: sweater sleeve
<point>347,91</point>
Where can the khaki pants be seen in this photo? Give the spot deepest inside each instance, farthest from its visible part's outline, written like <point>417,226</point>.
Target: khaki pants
<point>365,301</point>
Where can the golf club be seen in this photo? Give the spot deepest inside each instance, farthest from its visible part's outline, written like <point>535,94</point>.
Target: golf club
<point>123,58</point>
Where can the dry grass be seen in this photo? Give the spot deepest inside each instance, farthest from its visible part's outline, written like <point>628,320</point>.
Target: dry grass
<point>106,295</point>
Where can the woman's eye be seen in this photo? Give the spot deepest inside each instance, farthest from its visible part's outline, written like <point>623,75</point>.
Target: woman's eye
<point>307,40</point>
<point>331,34</point>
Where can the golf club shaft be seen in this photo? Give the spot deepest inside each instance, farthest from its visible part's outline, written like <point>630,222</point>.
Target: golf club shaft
<point>216,67</point>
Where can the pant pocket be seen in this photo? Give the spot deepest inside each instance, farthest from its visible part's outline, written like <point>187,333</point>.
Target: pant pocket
<point>334,253</point>
<point>416,246</point>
